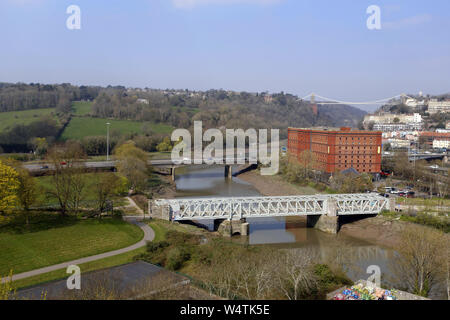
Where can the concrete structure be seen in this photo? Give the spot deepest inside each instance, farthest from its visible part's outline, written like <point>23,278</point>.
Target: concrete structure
<point>338,150</point>
<point>322,211</point>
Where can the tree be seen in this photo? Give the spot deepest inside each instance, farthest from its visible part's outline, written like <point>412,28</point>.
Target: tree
<point>166,145</point>
<point>9,185</point>
<point>27,192</point>
<point>423,257</point>
<point>67,179</point>
<point>105,186</point>
<point>132,164</point>
<point>39,146</point>
<point>308,162</point>
<point>295,276</point>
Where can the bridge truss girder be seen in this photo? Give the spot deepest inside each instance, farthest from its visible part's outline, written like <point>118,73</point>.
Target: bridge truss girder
<point>257,207</point>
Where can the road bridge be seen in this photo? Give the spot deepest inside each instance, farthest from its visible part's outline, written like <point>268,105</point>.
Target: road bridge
<point>48,168</point>
<point>321,210</point>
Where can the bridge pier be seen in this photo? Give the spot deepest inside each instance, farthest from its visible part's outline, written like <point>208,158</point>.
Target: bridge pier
<point>172,173</point>
<point>228,172</point>
<point>328,222</point>
<point>228,228</point>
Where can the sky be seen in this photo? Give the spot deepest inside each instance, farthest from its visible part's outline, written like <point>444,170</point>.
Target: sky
<point>295,46</point>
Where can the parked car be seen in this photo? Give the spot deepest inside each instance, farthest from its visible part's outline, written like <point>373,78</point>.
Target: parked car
<point>44,167</point>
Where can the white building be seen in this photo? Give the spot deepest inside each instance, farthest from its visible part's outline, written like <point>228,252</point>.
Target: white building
<point>435,106</point>
<point>388,118</point>
<point>415,104</point>
<point>399,143</point>
<point>441,144</point>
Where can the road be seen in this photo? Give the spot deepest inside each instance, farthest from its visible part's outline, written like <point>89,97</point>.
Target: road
<point>40,167</point>
<point>94,164</point>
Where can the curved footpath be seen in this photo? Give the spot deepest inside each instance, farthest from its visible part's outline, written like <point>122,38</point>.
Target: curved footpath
<point>149,235</point>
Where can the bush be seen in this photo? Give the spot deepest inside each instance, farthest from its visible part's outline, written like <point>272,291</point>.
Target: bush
<point>176,257</point>
<point>176,238</point>
<point>153,247</point>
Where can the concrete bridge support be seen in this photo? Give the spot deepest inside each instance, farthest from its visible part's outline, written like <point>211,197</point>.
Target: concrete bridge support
<point>228,228</point>
<point>228,172</point>
<point>328,222</point>
<point>159,211</point>
<point>172,173</point>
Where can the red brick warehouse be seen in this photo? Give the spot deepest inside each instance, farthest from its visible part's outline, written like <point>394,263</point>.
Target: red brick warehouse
<point>338,150</point>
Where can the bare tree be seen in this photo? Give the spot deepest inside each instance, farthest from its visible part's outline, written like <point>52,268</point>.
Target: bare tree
<point>295,276</point>
<point>422,259</point>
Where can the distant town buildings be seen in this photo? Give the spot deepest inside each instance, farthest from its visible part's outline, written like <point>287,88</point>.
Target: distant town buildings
<point>435,106</point>
<point>391,127</point>
<point>441,144</point>
<point>338,149</point>
<point>393,118</point>
<point>387,122</point>
<point>435,139</point>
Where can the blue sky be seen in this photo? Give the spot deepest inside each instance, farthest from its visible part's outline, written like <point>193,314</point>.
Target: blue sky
<point>296,46</point>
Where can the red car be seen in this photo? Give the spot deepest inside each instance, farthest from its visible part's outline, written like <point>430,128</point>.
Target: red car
<point>63,163</point>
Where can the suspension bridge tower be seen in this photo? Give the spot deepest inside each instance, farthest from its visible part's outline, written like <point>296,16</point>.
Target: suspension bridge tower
<point>314,108</point>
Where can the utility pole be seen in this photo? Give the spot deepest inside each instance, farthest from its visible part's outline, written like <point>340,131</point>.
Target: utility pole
<point>107,141</point>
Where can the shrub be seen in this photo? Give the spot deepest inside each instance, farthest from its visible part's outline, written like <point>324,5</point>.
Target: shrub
<point>176,257</point>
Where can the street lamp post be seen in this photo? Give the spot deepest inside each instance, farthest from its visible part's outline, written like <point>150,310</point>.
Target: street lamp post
<point>107,141</point>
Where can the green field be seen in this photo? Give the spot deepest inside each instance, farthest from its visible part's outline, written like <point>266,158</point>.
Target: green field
<point>10,119</point>
<point>82,108</point>
<point>45,183</point>
<point>80,127</point>
<point>55,240</point>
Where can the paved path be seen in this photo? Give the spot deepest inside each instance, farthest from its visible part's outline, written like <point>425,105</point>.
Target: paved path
<point>149,235</point>
<point>133,204</point>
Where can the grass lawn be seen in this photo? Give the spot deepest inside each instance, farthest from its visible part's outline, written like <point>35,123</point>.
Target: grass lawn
<point>51,240</point>
<point>80,127</point>
<point>82,108</point>
<point>10,119</point>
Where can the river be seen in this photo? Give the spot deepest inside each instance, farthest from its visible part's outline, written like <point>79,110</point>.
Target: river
<point>287,233</point>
